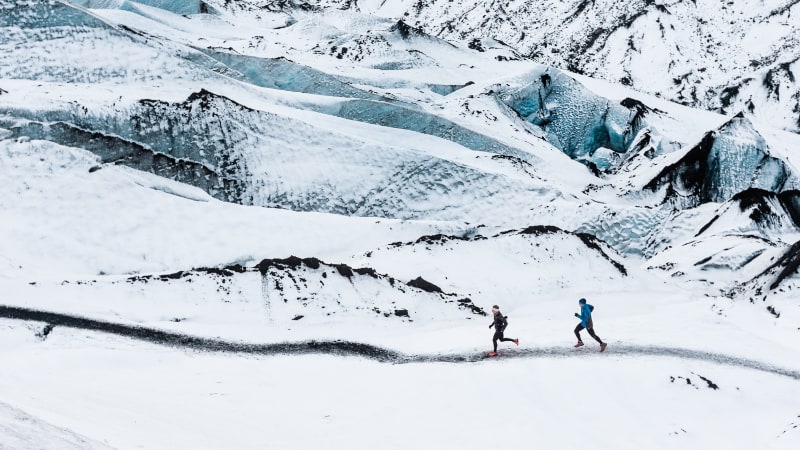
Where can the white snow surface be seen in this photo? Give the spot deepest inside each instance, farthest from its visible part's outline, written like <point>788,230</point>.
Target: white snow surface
<point>398,162</point>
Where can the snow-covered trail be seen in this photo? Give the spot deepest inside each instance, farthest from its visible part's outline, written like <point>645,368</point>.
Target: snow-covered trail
<point>372,352</point>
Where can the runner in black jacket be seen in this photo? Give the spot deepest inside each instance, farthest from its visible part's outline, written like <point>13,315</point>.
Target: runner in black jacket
<point>499,325</point>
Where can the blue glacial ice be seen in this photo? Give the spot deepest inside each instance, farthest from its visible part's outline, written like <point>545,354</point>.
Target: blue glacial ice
<point>726,161</point>
<point>575,120</point>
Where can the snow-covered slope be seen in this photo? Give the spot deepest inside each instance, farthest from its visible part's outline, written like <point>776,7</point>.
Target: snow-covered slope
<point>21,430</point>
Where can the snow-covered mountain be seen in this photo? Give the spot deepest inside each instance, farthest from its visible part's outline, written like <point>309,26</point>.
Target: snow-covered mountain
<point>368,178</point>
<point>724,56</point>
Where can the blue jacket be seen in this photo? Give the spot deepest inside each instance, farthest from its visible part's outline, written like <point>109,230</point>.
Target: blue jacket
<point>586,313</point>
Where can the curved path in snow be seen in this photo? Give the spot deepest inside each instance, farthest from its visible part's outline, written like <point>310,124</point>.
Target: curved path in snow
<point>346,348</point>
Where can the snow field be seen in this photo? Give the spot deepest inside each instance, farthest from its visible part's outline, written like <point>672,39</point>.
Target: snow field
<point>156,397</point>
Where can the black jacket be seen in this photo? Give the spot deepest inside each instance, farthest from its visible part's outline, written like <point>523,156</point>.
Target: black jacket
<point>499,323</point>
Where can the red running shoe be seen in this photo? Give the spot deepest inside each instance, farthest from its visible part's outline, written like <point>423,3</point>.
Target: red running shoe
<point>492,354</point>
<point>603,347</point>
<point>579,344</point>
<point>516,341</point>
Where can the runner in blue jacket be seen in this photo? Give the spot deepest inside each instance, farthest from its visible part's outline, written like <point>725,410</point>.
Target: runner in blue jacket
<point>586,322</point>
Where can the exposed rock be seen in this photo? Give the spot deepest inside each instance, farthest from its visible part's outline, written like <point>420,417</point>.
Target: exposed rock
<point>427,286</point>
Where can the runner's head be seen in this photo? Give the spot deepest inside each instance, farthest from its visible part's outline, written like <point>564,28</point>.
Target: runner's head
<point>582,301</point>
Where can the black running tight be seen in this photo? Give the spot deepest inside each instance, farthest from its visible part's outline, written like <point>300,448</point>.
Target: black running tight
<point>499,335</point>
<point>591,333</point>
